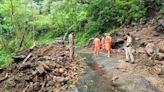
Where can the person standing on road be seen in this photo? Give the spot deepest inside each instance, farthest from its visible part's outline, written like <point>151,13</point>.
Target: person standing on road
<point>108,41</point>
<point>71,44</point>
<point>96,43</point>
<point>128,49</point>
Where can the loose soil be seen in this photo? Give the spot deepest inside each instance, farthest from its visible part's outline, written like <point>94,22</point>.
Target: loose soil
<point>142,75</point>
<point>143,35</point>
<point>45,68</point>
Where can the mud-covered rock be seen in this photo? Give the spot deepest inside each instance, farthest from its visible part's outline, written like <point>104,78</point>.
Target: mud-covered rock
<point>59,40</point>
<point>89,43</point>
<point>117,43</point>
<point>150,49</point>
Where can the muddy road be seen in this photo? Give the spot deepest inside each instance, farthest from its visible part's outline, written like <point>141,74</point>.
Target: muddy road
<point>105,74</point>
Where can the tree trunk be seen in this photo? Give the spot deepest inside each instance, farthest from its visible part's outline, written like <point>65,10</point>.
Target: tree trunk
<point>33,28</point>
<point>14,23</point>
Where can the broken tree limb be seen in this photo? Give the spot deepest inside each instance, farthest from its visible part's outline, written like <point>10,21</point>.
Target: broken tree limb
<point>28,56</point>
<point>44,65</point>
<point>33,46</point>
<point>25,88</point>
<point>4,78</point>
<point>42,86</point>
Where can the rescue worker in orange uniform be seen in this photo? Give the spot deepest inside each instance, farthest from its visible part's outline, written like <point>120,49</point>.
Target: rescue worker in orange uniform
<point>96,43</point>
<point>108,41</point>
<point>103,43</point>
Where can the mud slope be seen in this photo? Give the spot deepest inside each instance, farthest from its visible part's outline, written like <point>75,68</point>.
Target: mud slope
<point>45,68</point>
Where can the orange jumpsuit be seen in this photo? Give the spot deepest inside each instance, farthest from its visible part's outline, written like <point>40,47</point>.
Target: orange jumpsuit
<point>108,40</point>
<point>96,43</point>
<point>103,43</point>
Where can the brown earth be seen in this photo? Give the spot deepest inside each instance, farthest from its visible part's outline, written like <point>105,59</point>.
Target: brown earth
<point>45,68</point>
<point>143,35</point>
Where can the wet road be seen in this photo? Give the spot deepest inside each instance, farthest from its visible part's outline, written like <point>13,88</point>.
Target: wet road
<point>97,77</point>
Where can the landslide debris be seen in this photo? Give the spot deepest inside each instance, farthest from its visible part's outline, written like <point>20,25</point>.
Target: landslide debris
<point>45,68</point>
<point>149,52</point>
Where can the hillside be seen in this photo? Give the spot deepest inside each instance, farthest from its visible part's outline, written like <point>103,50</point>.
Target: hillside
<point>30,61</point>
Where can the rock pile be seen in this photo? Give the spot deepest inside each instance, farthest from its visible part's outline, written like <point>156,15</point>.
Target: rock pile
<point>45,68</point>
<point>149,55</point>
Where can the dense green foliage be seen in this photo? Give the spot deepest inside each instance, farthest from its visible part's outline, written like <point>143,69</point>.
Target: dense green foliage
<point>111,13</point>
<point>24,21</point>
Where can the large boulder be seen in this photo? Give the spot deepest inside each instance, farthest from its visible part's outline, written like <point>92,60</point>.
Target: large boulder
<point>59,40</point>
<point>89,43</point>
<point>118,39</point>
<point>21,55</point>
<point>117,43</point>
<point>150,49</point>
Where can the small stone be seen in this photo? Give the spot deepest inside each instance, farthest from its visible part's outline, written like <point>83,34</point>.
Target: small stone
<point>59,79</point>
<point>40,69</point>
<point>61,70</point>
<point>51,83</point>
<point>136,39</point>
<point>31,87</point>
<point>58,66</point>
<point>36,86</point>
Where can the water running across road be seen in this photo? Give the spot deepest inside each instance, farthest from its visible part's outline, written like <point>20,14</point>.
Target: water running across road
<point>96,78</point>
<point>100,72</point>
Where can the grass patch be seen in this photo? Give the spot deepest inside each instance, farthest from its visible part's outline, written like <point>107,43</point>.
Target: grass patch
<point>6,57</point>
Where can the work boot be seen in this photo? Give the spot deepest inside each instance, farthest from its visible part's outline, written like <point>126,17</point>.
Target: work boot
<point>132,62</point>
<point>127,61</point>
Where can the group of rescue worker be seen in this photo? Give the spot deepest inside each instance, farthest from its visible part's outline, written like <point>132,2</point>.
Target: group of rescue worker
<point>104,43</point>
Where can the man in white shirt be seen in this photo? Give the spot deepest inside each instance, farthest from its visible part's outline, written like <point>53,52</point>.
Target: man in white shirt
<point>128,49</point>
<point>71,44</point>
